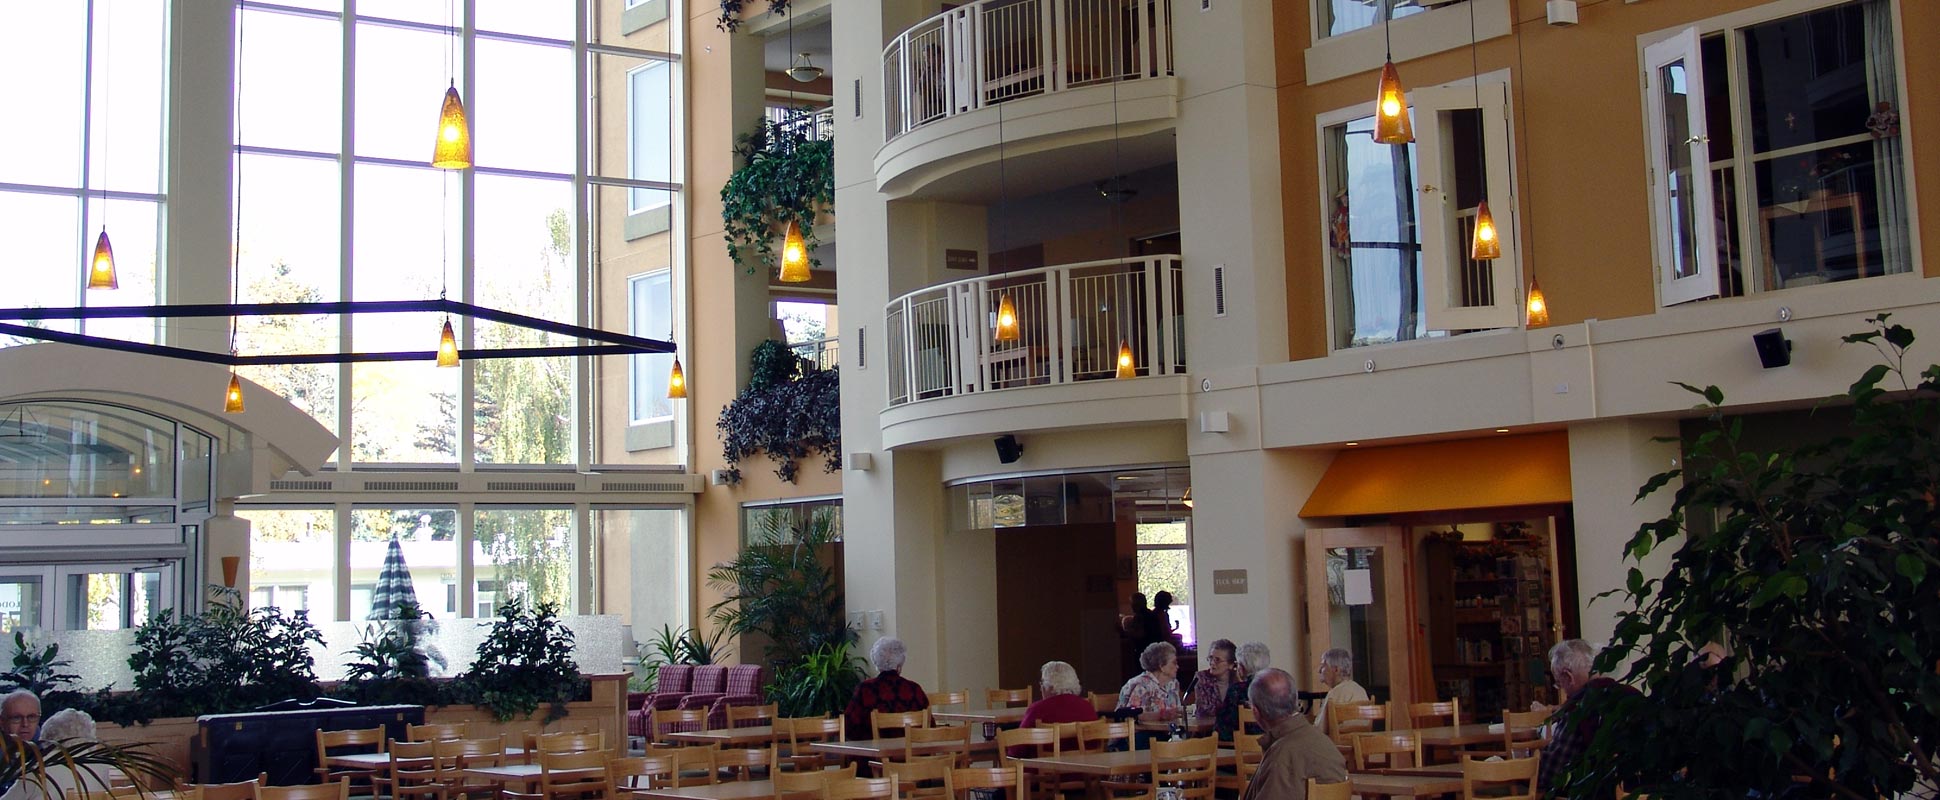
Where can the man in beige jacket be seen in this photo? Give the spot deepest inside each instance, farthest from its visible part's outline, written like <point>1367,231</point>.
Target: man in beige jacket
<point>1295,749</point>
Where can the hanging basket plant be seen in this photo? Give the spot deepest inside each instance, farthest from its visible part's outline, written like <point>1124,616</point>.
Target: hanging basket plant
<point>730,20</point>
<point>786,175</point>
<point>789,411</point>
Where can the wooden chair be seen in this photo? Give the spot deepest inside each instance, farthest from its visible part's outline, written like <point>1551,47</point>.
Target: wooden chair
<point>335,790</point>
<point>754,715</point>
<point>809,782</point>
<point>1436,713</point>
<point>1338,790</point>
<point>859,789</point>
<point>1005,698</point>
<point>951,741</point>
<point>1522,732</point>
<point>669,720</point>
<point>1498,776</point>
<point>740,763</point>
<point>1190,766</point>
<point>1041,741</point>
<point>365,740</point>
<point>1388,745</point>
<point>451,757</point>
<point>1249,722</point>
<point>1346,719</point>
<point>574,773</point>
<point>956,698</point>
<point>797,732</point>
<point>241,790</point>
<point>1247,755</point>
<point>1094,737</point>
<point>413,773</point>
<point>1102,703</point>
<point>1009,780</point>
<point>434,731</point>
<point>637,774</point>
<point>922,776</point>
<point>567,742</point>
<point>880,721</point>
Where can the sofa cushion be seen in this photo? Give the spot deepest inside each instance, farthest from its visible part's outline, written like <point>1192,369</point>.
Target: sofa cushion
<point>709,679</point>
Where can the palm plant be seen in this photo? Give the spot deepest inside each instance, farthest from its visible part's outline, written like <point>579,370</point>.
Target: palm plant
<point>87,761</point>
<point>780,587</point>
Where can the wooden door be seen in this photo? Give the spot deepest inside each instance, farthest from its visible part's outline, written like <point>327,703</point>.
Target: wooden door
<point>1358,598</point>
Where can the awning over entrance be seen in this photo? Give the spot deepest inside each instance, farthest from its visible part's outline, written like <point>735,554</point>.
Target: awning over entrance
<point>1521,470</point>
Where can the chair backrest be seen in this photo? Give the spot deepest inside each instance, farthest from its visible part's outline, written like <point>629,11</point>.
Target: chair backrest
<point>951,741</point>
<point>1102,703</point>
<point>334,790</point>
<point>752,715</point>
<point>1189,765</point>
<point>1522,731</point>
<point>812,780</point>
<point>434,731</point>
<point>956,698</point>
<point>859,789</point>
<point>880,721</point>
<point>569,742</point>
<point>577,772</point>
<point>669,720</point>
<point>1094,737</point>
<point>638,772</point>
<point>243,790</point>
<point>1436,713</point>
<point>1009,780</point>
<point>674,679</point>
<point>1497,776</point>
<point>1388,745</point>
<point>1249,721</point>
<point>1346,719</point>
<point>412,764</point>
<point>1039,741</point>
<point>710,679</point>
<point>1004,698</point>
<point>910,776</point>
<point>694,766</point>
<point>1247,755</point>
<point>745,679</point>
<point>741,762</point>
<point>451,757</point>
<point>355,737</point>
<point>1338,790</point>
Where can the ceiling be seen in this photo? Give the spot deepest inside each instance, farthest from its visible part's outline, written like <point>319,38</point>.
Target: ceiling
<point>1026,174</point>
<point>811,34</point>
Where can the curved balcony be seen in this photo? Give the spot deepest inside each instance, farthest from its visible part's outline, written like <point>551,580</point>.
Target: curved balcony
<point>1071,320</point>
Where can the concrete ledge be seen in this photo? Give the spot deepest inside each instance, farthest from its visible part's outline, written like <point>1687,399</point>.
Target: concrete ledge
<point>1087,404</point>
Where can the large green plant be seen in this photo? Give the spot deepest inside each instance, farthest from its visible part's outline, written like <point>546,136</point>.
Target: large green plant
<point>393,662</point>
<point>819,685</point>
<point>780,587</point>
<point>730,19</point>
<point>525,661</point>
<point>228,658</point>
<point>88,762</point>
<point>785,176</point>
<point>37,669</point>
<point>790,410</point>
<point>678,646</point>
<point>1815,563</point>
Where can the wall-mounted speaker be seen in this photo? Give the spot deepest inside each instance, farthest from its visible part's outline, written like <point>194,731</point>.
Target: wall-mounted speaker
<point>1009,449</point>
<point>1774,350</point>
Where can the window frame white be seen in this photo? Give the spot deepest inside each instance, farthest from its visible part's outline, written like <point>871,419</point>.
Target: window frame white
<point>1682,48</point>
<point>633,155</point>
<point>641,361</point>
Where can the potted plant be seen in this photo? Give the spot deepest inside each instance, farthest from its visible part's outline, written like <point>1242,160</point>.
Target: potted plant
<point>525,661</point>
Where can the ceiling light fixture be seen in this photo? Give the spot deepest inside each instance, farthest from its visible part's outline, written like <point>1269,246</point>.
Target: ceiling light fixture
<point>101,268</point>
<point>1187,499</point>
<point>1483,244</point>
<point>794,255</point>
<point>805,71</point>
<point>1537,312</point>
<point>1126,368</point>
<point>676,382</point>
<point>1391,122</point>
<point>454,146</point>
<point>1007,330</point>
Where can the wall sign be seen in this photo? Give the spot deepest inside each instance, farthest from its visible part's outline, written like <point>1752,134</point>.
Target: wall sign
<point>961,259</point>
<point>1229,581</point>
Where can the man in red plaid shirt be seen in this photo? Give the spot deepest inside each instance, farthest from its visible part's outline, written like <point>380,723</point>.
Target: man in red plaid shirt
<point>1569,667</point>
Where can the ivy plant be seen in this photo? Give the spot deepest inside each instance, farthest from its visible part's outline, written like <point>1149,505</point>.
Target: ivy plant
<point>790,410</point>
<point>1817,565</point>
<point>525,661</point>
<point>730,19</point>
<point>785,176</point>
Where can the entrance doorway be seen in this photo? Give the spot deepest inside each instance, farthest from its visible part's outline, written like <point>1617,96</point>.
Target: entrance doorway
<point>1358,598</point>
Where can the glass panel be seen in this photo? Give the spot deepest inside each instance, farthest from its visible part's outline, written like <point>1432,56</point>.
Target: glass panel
<point>130,70</point>
<point>47,41</point>
<point>195,460</point>
<point>1374,239</point>
<point>642,567</point>
<point>1341,16</point>
<point>1807,78</point>
<point>291,254</point>
<point>650,130</point>
<point>131,227</point>
<point>1724,198</point>
<point>40,230</point>
<point>523,114</point>
<point>1678,188</point>
<point>292,555</point>
<point>524,412</point>
<point>523,552</point>
<point>1357,612</point>
<point>107,601</point>
<point>427,543</point>
<point>526,18</point>
<point>291,74</point>
<point>85,450</point>
<point>1819,216</point>
<point>86,515</point>
<point>401,80</point>
<point>650,306</point>
<point>406,411</point>
<point>431,11</point>
<point>1170,571</point>
<point>20,603</point>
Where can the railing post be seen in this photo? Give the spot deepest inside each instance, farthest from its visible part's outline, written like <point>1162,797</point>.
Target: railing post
<point>1058,284</point>
<point>910,353</point>
<point>1150,269</point>
<point>902,79</point>
<point>1168,314</point>
<point>974,37</point>
<point>1138,40</point>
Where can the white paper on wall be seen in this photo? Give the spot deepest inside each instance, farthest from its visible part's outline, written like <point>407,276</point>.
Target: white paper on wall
<point>1359,586</point>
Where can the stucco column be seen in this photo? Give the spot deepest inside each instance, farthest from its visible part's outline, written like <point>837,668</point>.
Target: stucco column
<point>1608,461</point>
<point>1246,519</point>
<point>224,535</point>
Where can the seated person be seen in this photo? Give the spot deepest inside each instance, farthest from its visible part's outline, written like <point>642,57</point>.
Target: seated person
<point>1155,692</point>
<point>1063,701</point>
<point>1336,673</point>
<point>69,727</point>
<point>1253,658</point>
<point>888,691</point>
<point>1212,687</point>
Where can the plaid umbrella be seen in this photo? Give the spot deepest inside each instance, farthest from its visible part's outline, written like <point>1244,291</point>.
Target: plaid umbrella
<point>393,585</point>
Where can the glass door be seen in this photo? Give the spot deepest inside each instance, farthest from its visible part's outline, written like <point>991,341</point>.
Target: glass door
<point>20,601</point>
<point>1358,586</point>
<point>99,597</point>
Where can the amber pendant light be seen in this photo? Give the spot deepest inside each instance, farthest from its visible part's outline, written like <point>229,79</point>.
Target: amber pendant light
<point>1484,246</point>
<point>447,346</point>
<point>101,269</point>
<point>1126,369</point>
<point>794,255</point>
<point>454,148</point>
<point>676,382</point>
<point>232,399</point>
<point>1391,123</point>
<point>1006,320</point>
<point>1538,310</point>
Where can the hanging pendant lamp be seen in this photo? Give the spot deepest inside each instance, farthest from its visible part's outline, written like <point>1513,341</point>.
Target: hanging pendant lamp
<point>101,270</point>
<point>806,71</point>
<point>1484,246</point>
<point>232,402</point>
<point>1391,123</point>
<point>1538,310</point>
<point>676,382</point>
<point>1187,500</point>
<point>454,148</point>
<point>447,346</point>
<point>1006,320</point>
<point>794,256</point>
<point>1126,369</point>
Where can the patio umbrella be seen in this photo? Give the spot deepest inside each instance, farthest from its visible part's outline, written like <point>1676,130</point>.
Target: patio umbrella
<point>393,585</point>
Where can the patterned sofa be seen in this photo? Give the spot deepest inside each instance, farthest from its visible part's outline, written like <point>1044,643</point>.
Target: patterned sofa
<point>682,686</point>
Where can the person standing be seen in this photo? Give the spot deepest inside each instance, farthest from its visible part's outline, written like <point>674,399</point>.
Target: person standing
<point>1294,749</point>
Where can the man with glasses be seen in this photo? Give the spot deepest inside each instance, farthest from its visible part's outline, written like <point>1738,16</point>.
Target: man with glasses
<point>1570,737</point>
<point>20,715</point>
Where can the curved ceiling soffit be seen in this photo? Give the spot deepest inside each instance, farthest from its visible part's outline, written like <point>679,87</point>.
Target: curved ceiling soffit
<point>187,391</point>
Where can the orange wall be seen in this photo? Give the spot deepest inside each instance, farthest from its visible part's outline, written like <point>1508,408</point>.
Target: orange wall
<point>1580,167</point>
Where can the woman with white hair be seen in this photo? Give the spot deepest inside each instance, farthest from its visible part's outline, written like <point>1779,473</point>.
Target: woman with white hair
<point>1337,674</point>
<point>1250,659</point>
<point>1155,691</point>
<point>1062,701</point>
<point>70,727</point>
<point>888,691</point>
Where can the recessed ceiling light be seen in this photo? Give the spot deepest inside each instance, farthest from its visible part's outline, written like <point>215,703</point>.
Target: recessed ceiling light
<point>1353,444</point>
<point>1501,430</point>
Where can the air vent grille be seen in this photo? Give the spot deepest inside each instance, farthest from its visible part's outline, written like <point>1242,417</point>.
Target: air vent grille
<point>300,486</point>
<point>410,486</point>
<point>858,98</point>
<point>530,486</point>
<point>1219,290</point>
<point>862,347</point>
<point>639,486</point>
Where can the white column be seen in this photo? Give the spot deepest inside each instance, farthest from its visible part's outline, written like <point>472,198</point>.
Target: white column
<point>1246,516</point>
<point>1608,461</point>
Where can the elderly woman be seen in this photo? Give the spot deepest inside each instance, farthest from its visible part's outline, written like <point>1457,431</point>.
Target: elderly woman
<point>1156,690</point>
<point>1061,701</point>
<point>69,727</point>
<point>1211,685</point>
<point>888,691</point>
<point>1251,657</point>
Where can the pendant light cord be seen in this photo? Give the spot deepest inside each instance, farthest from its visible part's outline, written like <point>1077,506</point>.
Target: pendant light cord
<point>1387,39</point>
<point>107,103</point>
<point>235,214</point>
<point>1481,121</point>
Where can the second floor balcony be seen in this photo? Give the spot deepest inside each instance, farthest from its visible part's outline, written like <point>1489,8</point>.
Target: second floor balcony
<point>1073,324</point>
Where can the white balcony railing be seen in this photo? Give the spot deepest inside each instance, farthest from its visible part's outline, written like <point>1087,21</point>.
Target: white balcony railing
<point>820,352</point>
<point>1071,320</point>
<point>990,51</point>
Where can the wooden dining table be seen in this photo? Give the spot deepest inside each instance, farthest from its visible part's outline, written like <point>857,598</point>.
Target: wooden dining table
<point>878,749</point>
<point>1458,735</point>
<point>1122,762</point>
<point>727,737</point>
<point>1392,784</point>
<point>1003,717</point>
<point>736,790</point>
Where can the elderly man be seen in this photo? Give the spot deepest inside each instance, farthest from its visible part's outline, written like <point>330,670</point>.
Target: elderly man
<point>1569,667</point>
<point>888,691</point>
<point>20,715</point>
<point>1337,674</point>
<point>1295,749</point>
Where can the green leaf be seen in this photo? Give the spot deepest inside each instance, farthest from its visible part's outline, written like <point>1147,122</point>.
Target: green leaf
<point>1911,567</point>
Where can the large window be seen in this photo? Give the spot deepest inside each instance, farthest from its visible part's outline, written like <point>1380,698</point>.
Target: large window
<point>91,76</point>
<point>1398,219</point>
<point>1776,155</point>
<point>528,553</point>
<point>291,555</point>
<point>1335,17</point>
<point>650,153</point>
<point>651,310</point>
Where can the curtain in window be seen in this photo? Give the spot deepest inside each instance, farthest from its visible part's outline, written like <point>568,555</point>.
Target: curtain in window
<point>1882,86</point>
